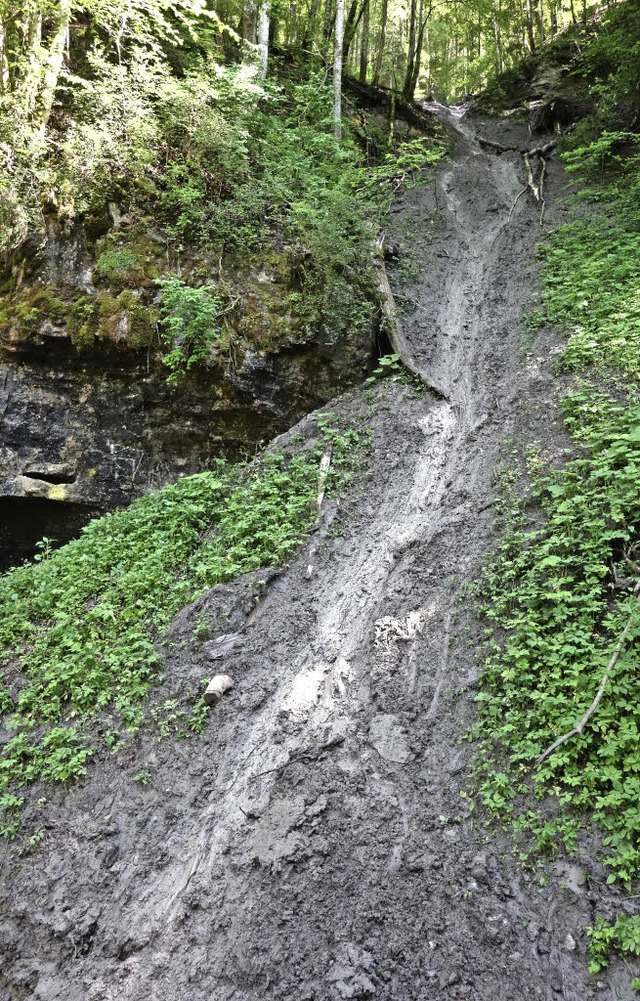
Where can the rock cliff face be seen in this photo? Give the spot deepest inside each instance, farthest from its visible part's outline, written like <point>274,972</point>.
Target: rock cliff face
<point>543,88</point>
<point>88,420</point>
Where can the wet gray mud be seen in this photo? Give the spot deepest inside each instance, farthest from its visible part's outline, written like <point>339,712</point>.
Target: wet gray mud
<point>314,844</point>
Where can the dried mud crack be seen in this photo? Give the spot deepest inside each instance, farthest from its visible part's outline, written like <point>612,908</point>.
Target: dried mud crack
<point>314,844</point>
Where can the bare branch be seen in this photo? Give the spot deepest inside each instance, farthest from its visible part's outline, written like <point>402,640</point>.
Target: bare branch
<point>603,684</point>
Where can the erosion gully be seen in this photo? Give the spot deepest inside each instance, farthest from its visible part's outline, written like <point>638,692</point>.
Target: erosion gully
<point>314,844</point>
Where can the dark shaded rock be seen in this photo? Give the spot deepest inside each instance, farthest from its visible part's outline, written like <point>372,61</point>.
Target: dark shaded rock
<point>556,113</point>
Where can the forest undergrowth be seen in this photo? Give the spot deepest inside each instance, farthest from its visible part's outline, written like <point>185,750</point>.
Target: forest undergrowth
<point>559,710</point>
<point>83,626</point>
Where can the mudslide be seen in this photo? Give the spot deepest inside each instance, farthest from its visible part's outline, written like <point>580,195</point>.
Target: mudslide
<point>315,845</point>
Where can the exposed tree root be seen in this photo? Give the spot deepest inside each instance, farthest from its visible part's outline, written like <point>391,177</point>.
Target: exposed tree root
<point>527,154</point>
<point>603,684</point>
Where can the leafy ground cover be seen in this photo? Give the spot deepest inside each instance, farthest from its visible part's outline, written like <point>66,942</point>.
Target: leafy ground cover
<point>562,596</point>
<point>80,627</point>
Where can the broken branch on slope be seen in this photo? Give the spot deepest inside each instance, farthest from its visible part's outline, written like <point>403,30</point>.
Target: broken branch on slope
<point>603,684</point>
<point>392,325</point>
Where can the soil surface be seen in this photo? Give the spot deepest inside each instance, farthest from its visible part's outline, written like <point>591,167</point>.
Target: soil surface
<point>314,843</point>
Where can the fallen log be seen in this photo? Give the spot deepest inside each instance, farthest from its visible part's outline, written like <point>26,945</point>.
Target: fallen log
<point>522,150</point>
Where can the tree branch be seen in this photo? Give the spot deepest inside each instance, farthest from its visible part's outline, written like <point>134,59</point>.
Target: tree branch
<point>392,327</point>
<point>603,684</point>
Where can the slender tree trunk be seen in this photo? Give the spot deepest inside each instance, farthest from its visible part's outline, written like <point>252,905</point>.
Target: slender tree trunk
<point>263,37</point>
<point>364,48</point>
<point>530,26</point>
<point>411,50</point>
<point>381,44</point>
<point>312,23</point>
<point>337,70</point>
<point>3,56</point>
<point>541,20</point>
<point>249,13</point>
<point>418,57</point>
<point>292,26</point>
<point>497,41</point>
<point>29,83</point>
<point>52,66</point>
<point>353,20</point>
<point>328,19</point>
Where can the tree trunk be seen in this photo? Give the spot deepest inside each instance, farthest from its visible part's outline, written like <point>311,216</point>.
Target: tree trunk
<point>353,20</point>
<point>411,51</point>
<point>292,26</point>
<point>52,66</point>
<point>418,56</point>
<point>364,49</point>
<point>337,70</point>
<point>328,19</point>
<point>497,39</point>
<point>530,26</point>
<point>263,37</point>
<point>574,19</point>
<point>381,44</point>
<point>312,23</point>
<point>249,32</point>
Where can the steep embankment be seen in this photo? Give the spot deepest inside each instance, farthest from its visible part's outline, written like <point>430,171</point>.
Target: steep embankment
<point>315,843</point>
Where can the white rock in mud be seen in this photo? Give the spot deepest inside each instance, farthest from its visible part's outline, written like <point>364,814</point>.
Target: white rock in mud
<point>216,688</point>
<point>389,738</point>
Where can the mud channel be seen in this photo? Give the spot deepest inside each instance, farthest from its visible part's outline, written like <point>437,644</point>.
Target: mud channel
<point>314,844</point>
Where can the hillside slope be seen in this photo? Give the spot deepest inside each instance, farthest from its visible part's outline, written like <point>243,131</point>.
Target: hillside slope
<point>314,843</point>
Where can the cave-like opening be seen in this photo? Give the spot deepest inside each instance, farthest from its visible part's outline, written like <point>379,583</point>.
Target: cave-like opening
<point>25,521</point>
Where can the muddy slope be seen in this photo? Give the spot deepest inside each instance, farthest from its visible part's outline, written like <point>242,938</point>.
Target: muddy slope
<point>314,844</point>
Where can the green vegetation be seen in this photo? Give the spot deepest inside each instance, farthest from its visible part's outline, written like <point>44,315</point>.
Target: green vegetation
<point>621,936</point>
<point>559,709</point>
<point>80,627</point>
<point>189,324</point>
<point>549,594</point>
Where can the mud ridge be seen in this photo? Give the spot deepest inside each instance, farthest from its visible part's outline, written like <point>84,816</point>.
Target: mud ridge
<point>315,844</point>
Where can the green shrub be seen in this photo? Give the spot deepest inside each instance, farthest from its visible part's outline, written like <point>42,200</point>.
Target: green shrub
<point>189,324</point>
<point>117,266</point>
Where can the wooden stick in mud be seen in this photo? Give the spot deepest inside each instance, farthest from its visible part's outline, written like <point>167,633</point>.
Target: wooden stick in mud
<point>603,684</point>
<point>323,474</point>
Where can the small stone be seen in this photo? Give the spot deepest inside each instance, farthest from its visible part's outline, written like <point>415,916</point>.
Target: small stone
<point>216,688</point>
<point>569,943</point>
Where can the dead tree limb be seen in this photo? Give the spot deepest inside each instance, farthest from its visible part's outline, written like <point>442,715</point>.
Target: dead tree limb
<point>392,326</point>
<point>323,475</point>
<point>543,171</point>
<point>517,199</point>
<point>603,684</point>
<point>531,151</point>
<point>499,148</point>
<point>530,177</point>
